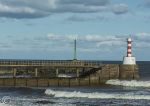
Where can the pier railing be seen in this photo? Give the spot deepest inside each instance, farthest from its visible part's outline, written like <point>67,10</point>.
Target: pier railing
<point>51,63</point>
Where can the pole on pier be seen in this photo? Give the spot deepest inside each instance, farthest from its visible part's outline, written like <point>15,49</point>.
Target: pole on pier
<point>77,72</point>
<point>75,49</point>
<point>36,72</point>
<point>14,72</point>
<point>57,72</point>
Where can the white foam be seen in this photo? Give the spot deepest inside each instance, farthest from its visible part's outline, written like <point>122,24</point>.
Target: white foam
<point>3,104</point>
<point>129,95</point>
<point>132,83</point>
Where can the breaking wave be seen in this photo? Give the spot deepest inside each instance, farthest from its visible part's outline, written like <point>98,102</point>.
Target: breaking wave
<point>3,104</point>
<point>132,83</point>
<point>77,94</point>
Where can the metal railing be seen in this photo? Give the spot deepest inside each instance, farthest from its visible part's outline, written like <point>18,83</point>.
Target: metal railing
<point>65,63</point>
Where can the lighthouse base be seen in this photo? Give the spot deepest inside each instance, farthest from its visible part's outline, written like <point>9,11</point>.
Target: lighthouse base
<point>129,60</point>
<point>128,72</point>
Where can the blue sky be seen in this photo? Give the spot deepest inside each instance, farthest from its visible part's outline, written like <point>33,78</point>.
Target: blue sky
<point>45,29</point>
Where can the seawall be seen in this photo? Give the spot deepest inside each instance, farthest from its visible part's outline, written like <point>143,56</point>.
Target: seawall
<point>95,77</point>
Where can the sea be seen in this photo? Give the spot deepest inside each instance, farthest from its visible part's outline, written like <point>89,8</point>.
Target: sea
<point>112,93</point>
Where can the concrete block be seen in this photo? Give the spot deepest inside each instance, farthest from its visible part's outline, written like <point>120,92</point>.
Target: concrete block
<point>84,81</point>
<point>74,82</point>
<point>128,72</point>
<point>20,82</point>
<point>94,81</point>
<point>53,82</point>
<point>43,82</point>
<point>1,82</point>
<point>9,82</point>
<point>32,82</point>
<point>104,74</point>
<point>64,82</point>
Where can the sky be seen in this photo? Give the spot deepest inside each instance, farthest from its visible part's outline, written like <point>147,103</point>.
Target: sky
<point>46,29</point>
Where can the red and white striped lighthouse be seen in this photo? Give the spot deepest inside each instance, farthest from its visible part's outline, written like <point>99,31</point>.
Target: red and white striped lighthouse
<point>129,59</point>
<point>129,49</point>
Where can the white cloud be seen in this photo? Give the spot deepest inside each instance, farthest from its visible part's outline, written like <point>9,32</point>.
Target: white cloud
<point>110,43</point>
<point>89,38</point>
<point>52,36</point>
<point>140,40</point>
<point>42,8</point>
<point>85,43</point>
<point>143,35</point>
<point>120,8</point>
<point>5,8</point>
<point>90,42</point>
<point>12,11</point>
<point>82,18</point>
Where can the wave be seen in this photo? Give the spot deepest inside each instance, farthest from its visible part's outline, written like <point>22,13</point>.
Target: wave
<point>3,104</point>
<point>132,83</point>
<point>78,94</point>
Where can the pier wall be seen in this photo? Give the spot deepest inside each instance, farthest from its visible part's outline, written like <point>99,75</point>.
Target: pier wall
<point>96,78</point>
<point>128,72</point>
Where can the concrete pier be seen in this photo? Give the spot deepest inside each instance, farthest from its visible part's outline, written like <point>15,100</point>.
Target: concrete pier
<point>45,73</point>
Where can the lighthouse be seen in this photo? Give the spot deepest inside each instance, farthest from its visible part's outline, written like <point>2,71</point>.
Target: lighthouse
<point>129,59</point>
